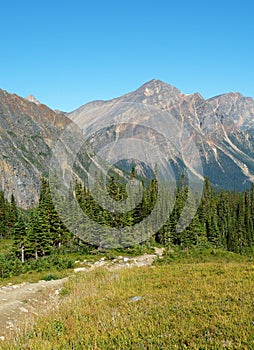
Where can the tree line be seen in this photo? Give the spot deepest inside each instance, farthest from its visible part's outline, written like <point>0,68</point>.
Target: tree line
<point>224,219</point>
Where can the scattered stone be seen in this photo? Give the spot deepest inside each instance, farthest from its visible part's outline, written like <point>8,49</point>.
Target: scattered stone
<point>2,337</point>
<point>159,251</point>
<point>126,259</point>
<point>80,269</point>
<point>100,263</point>
<point>10,324</point>
<point>23,309</point>
<point>137,298</point>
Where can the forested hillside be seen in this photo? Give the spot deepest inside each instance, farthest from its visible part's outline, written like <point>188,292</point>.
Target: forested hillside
<point>223,220</point>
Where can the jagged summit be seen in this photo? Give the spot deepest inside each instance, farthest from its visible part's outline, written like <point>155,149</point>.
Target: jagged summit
<point>156,86</point>
<point>227,96</point>
<point>222,127</point>
<point>31,98</point>
<point>153,92</point>
<point>155,83</point>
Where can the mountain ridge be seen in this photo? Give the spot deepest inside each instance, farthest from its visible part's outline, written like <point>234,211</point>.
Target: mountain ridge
<point>221,126</point>
<point>27,134</point>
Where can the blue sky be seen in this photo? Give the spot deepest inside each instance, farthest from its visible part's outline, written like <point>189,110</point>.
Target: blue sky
<point>67,53</point>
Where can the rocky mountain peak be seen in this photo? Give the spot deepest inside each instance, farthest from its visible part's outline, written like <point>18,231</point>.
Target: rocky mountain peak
<point>198,96</point>
<point>28,131</point>
<point>230,97</point>
<point>154,92</point>
<point>222,127</point>
<point>155,87</point>
<point>31,98</point>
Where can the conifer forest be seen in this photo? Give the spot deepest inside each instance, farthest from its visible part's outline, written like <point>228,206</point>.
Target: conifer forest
<point>223,219</point>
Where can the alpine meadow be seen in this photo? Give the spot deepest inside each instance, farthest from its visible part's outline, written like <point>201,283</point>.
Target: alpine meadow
<point>128,223</point>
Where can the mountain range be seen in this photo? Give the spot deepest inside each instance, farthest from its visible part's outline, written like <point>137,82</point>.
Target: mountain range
<point>222,128</point>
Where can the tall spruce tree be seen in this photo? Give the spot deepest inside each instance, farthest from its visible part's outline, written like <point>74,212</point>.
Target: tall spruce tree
<point>19,238</point>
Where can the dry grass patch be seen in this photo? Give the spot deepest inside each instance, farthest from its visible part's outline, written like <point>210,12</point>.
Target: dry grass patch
<point>180,306</point>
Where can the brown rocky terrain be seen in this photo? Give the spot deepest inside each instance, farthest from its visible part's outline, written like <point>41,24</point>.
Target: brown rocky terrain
<point>221,127</point>
<point>28,132</point>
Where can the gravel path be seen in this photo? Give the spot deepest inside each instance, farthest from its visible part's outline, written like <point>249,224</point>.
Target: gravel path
<point>18,302</point>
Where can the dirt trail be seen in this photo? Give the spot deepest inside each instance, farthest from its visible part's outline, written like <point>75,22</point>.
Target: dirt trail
<point>19,302</point>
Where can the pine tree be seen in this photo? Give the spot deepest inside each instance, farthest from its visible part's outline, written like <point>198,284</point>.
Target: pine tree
<point>3,213</point>
<point>19,238</point>
<point>12,214</point>
<point>33,238</point>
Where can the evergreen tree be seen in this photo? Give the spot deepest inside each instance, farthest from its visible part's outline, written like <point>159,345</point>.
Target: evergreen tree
<point>3,207</point>
<point>12,214</point>
<point>19,238</point>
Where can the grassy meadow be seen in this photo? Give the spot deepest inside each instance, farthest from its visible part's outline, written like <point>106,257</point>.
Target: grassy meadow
<point>180,304</point>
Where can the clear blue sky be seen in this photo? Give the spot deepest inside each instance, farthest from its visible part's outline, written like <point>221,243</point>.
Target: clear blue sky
<point>67,53</point>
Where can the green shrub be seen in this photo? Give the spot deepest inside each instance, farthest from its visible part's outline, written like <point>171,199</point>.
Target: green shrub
<point>50,277</point>
<point>200,254</point>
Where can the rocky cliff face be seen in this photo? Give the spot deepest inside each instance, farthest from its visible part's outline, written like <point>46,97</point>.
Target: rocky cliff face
<point>27,133</point>
<point>222,127</point>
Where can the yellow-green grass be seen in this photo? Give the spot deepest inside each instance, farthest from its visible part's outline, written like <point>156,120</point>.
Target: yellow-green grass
<point>182,306</point>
